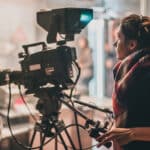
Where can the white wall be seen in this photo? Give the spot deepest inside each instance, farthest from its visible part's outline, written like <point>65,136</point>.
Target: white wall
<point>17,27</point>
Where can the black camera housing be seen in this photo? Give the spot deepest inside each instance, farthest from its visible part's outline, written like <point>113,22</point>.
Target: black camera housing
<point>48,66</point>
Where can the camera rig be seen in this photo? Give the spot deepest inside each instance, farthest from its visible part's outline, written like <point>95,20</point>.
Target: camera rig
<point>51,65</point>
<point>48,72</point>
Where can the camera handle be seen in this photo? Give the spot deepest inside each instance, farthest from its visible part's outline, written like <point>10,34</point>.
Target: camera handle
<point>26,48</point>
<point>95,131</point>
<point>105,110</point>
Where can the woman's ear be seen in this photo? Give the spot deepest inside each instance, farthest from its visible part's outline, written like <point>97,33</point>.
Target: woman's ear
<point>132,45</point>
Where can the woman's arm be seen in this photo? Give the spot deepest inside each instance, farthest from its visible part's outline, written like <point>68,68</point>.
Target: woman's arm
<point>125,135</point>
<point>141,134</point>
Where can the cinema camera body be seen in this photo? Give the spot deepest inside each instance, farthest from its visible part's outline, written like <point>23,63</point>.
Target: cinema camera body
<point>52,66</point>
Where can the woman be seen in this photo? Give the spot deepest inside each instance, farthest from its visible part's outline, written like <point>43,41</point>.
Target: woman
<point>131,95</point>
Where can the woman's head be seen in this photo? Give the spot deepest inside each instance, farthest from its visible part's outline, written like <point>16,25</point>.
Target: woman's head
<point>133,34</point>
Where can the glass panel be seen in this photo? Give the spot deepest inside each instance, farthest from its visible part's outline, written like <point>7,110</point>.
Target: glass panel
<point>110,58</point>
<point>96,38</point>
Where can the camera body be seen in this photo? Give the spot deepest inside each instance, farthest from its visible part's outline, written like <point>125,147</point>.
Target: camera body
<point>48,66</point>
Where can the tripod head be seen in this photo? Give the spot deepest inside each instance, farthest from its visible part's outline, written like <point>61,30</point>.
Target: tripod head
<point>48,103</point>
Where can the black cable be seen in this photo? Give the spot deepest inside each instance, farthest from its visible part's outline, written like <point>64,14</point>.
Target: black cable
<point>8,121</point>
<point>65,128</point>
<point>42,139</point>
<point>77,129</point>
<point>33,117</point>
<point>79,72</point>
<point>70,140</point>
<point>77,78</point>
<point>87,148</point>
<point>56,143</point>
<point>9,125</point>
<point>60,136</point>
<point>68,126</point>
<point>70,96</point>
<point>32,138</point>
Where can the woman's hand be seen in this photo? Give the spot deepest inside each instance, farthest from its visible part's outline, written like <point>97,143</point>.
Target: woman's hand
<point>120,135</point>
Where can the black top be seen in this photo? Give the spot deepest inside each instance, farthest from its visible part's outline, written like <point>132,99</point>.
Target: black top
<point>138,106</point>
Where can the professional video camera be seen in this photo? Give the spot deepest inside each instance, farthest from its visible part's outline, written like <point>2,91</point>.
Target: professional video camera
<point>55,68</point>
<point>51,65</point>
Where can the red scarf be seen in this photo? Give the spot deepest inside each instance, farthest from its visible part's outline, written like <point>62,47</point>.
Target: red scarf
<point>124,73</point>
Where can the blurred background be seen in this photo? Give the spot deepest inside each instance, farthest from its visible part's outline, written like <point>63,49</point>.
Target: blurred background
<point>96,55</point>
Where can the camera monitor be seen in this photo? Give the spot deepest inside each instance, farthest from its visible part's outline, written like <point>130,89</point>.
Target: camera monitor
<point>68,21</point>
